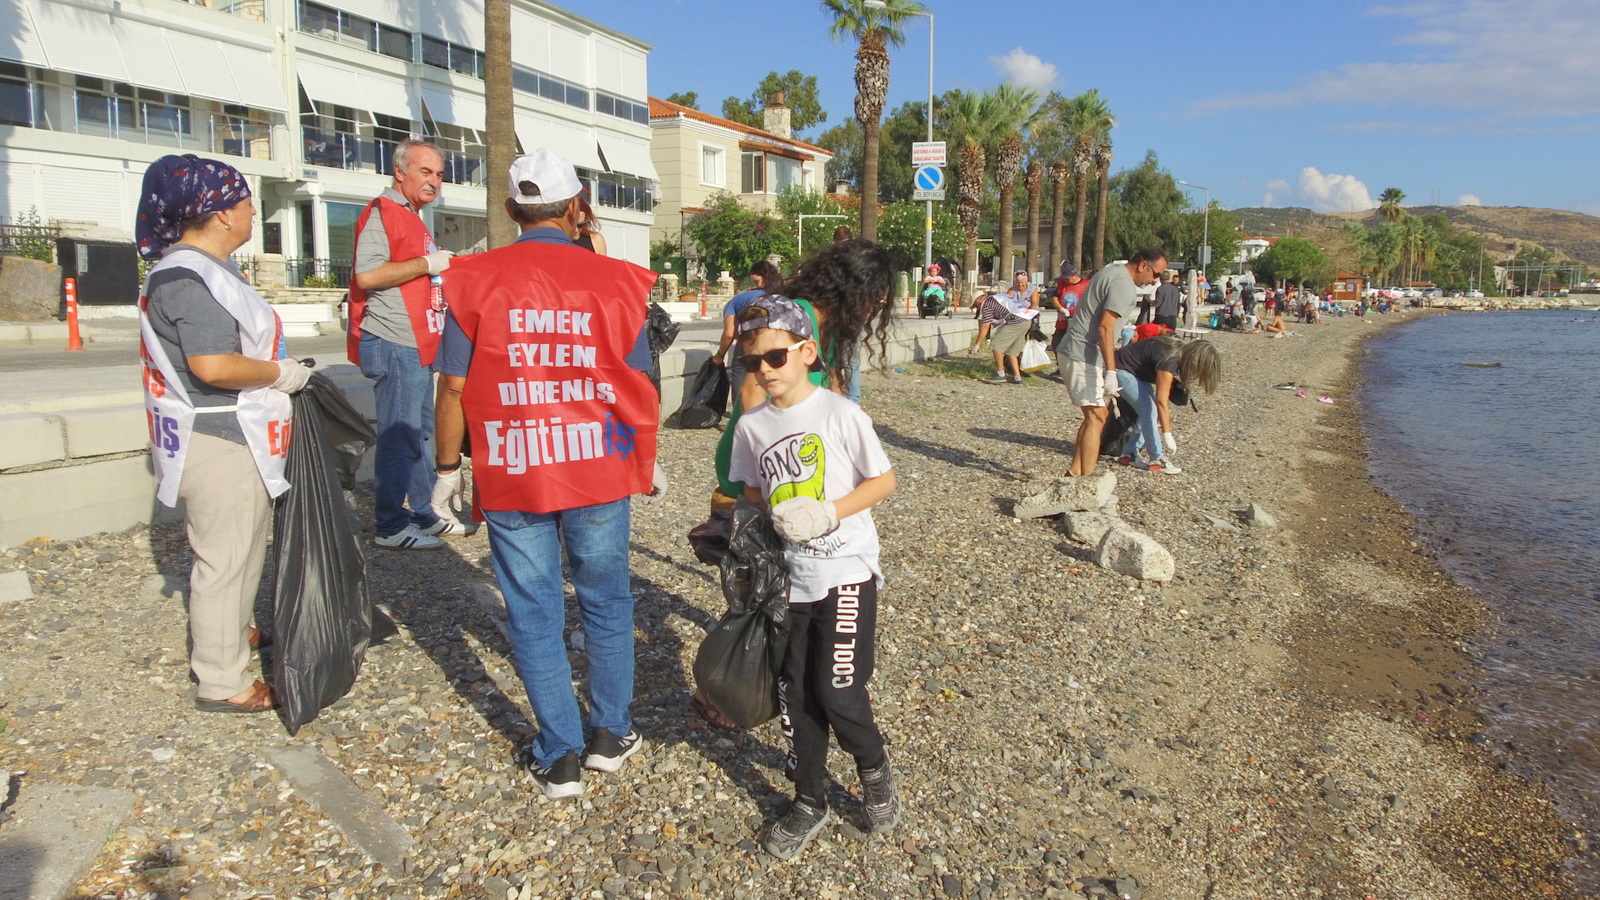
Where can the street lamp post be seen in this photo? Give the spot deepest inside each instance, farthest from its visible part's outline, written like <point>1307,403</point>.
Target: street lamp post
<point>927,222</point>
<point>1205,226</point>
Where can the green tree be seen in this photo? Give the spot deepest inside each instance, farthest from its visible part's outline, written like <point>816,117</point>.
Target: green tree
<point>1147,208</point>
<point>34,240</point>
<point>818,233</point>
<point>732,238</point>
<point>1389,204</point>
<point>690,99</point>
<point>844,142</point>
<point>975,123</point>
<point>900,231</point>
<point>901,128</point>
<point>1292,259</point>
<point>1223,232</point>
<point>1085,119</point>
<point>1015,110</point>
<point>799,94</point>
<point>875,29</point>
<point>1380,252</point>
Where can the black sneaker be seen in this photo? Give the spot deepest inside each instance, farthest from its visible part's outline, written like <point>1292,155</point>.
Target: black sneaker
<point>606,751</point>
<point>880,799</point>
<point>561,780</point>
<point>790,834</point>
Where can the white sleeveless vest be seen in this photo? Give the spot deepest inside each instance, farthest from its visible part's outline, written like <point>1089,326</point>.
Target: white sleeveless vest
<point>264,414</point>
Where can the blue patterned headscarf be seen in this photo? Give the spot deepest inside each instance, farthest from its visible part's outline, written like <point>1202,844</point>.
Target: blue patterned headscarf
<point>183,187</point>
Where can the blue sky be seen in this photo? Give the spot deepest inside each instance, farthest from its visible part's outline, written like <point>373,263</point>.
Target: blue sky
<point>1309,104</point>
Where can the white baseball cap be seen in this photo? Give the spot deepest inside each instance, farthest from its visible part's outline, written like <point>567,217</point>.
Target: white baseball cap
<point>554,179</point>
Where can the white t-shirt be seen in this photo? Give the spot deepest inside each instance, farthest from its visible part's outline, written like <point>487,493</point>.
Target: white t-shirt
<point>821,447</point>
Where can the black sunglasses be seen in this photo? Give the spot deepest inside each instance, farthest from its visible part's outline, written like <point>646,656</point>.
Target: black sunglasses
<point>775,359</point>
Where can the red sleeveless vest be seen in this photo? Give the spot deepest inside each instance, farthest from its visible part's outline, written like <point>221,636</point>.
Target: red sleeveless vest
<point>557,417</point>
<point>409,238</point>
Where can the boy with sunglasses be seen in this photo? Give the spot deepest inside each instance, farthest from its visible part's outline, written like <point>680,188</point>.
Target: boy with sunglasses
<point>813,457</point>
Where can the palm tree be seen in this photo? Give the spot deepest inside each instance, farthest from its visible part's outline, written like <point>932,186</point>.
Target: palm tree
<point>875,29</point>
<point>498,117</point>
<point>1013,109</point>
<point>1060,174</point>
<point>1389,204</point>
<point>968,121</point>
<point>1102,165</point>
<point>1086,118</point>
<point>1033,180</point>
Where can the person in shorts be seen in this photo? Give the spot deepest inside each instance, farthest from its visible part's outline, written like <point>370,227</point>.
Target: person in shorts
<point>1087,353</point>
<point>1020,305</point>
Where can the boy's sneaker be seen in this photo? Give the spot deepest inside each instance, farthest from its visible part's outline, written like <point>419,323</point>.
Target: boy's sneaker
<point>1015,379</point>
<point>606,752</point>
<point>996,378</point>
<point>790,834</point>
<point>1164,466</point>
<point>451,527</point>
<point>879,797</point>
<point>1126,459</point>
<point>561,780</point>
<point>409,538</point>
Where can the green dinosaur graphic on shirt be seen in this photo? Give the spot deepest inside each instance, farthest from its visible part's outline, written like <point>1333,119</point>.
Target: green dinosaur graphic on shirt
<point>809,454</point>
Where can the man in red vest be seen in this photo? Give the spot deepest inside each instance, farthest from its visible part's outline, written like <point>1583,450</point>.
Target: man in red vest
<point>395,324</point>
<point>543,365</point>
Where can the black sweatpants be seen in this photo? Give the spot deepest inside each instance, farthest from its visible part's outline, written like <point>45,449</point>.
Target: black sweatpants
<point>824,684</point>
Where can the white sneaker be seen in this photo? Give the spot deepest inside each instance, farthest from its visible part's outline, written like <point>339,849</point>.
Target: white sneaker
<point>451,527</point>
<point>1165,466</point>
<point>410,538</point>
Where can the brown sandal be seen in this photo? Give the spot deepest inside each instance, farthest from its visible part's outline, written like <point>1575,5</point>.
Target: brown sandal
<point>711,714</point>
<point>257,698</point>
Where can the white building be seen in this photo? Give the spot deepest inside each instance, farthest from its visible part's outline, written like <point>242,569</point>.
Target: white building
<point>308,99</point>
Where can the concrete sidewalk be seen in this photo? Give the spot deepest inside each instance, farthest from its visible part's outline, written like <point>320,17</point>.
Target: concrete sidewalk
<point>74,446</point>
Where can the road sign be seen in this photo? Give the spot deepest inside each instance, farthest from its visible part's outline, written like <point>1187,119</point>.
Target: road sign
<point>920,195</point>
<point>927,153</point>
<point>928,184</point>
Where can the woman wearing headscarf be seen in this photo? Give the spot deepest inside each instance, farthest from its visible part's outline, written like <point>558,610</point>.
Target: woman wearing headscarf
<point>217,381</point>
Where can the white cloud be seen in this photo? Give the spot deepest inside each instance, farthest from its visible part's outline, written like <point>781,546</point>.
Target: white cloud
<point>1023,69</point>
<point>1469,200</point>
<point>1525,58</point>
<point>1323,193</point>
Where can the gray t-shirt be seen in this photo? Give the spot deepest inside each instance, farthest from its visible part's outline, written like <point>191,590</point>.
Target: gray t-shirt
<point>386,310</point>
<point>188,321</point>
<point>1111,288</point>
<point>1169,298</point>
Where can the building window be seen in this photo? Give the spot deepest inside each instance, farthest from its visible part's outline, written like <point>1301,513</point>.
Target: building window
<point>463,148</point>
<point>753,173</point>
<point>454,57</point>
<point>621,107</point>
<point>538,83</point>
<point>16,96</point>
<point>712,171</point>
<point>782,172</point>
<point>620,191</point>
<point>394,42</point>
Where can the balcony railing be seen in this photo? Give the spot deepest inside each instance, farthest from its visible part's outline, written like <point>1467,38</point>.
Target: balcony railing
<point>166,125</point>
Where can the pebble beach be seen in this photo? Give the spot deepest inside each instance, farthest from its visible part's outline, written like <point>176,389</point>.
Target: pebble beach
<point>1291,716</point>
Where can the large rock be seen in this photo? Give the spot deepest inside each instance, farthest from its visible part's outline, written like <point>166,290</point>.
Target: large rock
<point>1089,526</point>
<point>1135,554</point>
<point>30,290</point>
<point>1260,518</point>
<point>1068,494</point>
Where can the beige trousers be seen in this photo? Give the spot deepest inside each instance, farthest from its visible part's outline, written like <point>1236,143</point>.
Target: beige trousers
<point>227,512</point>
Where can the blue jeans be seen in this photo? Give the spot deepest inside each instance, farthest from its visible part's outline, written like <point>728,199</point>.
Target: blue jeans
<point>1148,432</point>
<point>526,548</point>
<point>852,378</point>
<point>403,461</point>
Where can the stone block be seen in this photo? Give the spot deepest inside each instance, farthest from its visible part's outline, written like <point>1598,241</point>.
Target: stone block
<point>28,439</point>
<point>1089,526</point>
<point>13,334</point>
<point>1137,555</point>
<point>1260,518</point>
<point>102,430</point>
<point>1068,494</point>
<point>30,290</point>
<point>73,501</point>
<point>15,587</point>
<point>55,833</point>
<point>363,822</point>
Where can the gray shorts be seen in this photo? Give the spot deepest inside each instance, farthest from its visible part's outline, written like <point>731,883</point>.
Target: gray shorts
<point>1009,339</point>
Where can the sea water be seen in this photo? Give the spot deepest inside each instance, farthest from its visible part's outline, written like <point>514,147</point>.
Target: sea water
<point>1486,428</point>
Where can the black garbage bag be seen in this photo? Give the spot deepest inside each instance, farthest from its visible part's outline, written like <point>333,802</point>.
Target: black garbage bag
<point>707,400</point>
<point>323,619</point>
<point>1122,417</point>
<point>347,432</point>
<point>659,332</point>
<point>738,664</point>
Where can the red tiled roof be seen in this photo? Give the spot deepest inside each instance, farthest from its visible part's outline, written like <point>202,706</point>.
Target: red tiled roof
<point>666,109</point>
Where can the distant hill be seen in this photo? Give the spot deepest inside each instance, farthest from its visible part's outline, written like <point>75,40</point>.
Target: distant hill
<point>1505,227</point>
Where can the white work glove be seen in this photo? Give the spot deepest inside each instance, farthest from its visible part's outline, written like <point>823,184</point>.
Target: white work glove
<point>658,487</point>
<point>450,496</point>
<point>291,376</point>
<point>438,261</point>
<point>1110,384</point>
<point>1170,442</point>
<point>800,519</point>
